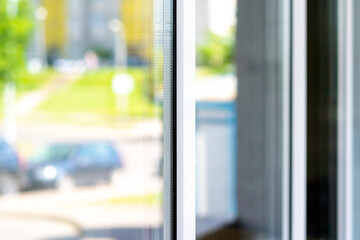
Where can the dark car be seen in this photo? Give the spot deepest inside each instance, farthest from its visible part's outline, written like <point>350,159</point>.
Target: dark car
<point>10,170</point>
<point>65,165</point>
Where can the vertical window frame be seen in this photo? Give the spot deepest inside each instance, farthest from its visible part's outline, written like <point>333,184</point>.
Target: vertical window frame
<point>298,120</point>
<point>185,119</point>
<point>345,119</point>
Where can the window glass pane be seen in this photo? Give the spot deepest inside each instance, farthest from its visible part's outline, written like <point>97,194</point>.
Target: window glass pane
<point>242,119</point>
<point>322,118</point>
<point>81,118</point>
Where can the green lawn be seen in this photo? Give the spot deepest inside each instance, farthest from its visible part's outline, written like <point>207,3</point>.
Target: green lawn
<point>93,94</point>
<point>26,83</point>
<point>202,71</point>
<point>149,199</point>
<point>30,82</point>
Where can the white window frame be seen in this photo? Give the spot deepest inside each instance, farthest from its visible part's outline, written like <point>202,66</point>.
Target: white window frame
<point>185,128</point>
<point>299,119</point>
<point>345,119</point>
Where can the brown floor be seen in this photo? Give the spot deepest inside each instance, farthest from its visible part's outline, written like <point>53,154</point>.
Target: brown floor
<point>230,232</point>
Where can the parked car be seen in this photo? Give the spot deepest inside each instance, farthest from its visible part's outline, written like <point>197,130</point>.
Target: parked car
<point>10,170</point>
<point>65,165</point>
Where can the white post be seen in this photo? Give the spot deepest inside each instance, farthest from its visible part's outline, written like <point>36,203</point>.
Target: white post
<point>9,112</point>
<point>116,49</point>
<point>42,44</point>
<point>124,47</point>
<point>41,15</point>
<point>120,48</point>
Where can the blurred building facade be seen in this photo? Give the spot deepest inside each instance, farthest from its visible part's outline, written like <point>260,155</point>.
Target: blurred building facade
<point>72,27</point>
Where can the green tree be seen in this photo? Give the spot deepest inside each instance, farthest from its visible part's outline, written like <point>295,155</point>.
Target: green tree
<point>15,27</point>
<point>217,52</point>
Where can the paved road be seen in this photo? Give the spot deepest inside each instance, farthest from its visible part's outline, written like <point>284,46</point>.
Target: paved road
<point>27,103</point>
<point>21,228</point>
<point>87,213</point>
<point>90,213</point>
<point>140,146</point>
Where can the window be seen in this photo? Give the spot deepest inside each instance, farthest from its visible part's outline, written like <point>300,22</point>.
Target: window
<point>94,95</point>
<point>143,119</point>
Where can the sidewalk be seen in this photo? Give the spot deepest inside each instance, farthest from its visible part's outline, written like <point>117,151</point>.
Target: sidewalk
<point>86,213</point>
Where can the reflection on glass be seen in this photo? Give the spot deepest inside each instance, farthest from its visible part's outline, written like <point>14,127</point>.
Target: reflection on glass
<point>216,117</point>
<point>80,120</point>
<point>241,120</point>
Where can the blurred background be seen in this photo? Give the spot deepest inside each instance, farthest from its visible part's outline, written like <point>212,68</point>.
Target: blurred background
<point>80,119</point>
<point>216,118</point>
<point>84,86</point>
